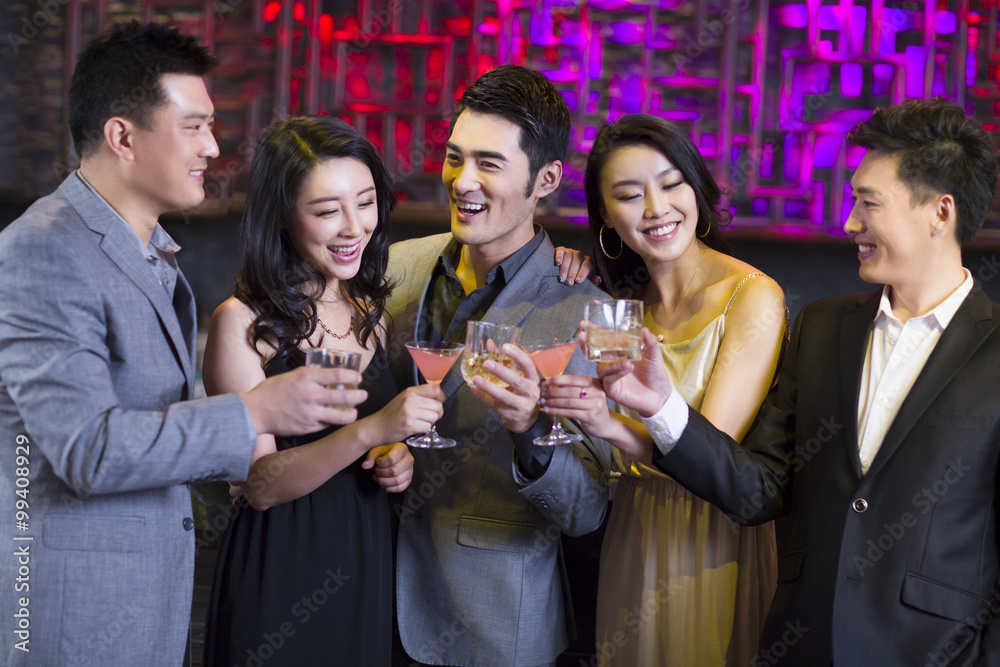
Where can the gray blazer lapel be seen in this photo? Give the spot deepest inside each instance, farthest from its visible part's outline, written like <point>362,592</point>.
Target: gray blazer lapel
<point>411,264</point>
<point>515,303</point>
<point>187,319</point>
<point>972,324</point>
<point>121,246</point>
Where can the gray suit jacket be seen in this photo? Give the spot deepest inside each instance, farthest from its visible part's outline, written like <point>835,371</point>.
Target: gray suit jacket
<point>94,361</point>
<point>479,577</point>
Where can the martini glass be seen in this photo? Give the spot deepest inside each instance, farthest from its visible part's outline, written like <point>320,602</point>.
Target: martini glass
<point>434,361</point>
<point>550,360</point>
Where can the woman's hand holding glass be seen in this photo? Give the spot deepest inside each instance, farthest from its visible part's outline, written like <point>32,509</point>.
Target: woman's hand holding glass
<point>413,410</point>
<point>642,385</point>
<point>581,399</point>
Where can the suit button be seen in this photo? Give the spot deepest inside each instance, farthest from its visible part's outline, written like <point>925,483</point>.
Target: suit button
<point>188,523</point>
<point>860,505</point>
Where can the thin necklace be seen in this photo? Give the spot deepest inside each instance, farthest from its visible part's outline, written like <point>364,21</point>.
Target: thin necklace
<point>337,336</point>
<point>677,305</point>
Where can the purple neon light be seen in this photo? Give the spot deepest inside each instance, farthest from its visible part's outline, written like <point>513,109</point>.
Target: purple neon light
<point>882,80</point>
<point>859,24</point>
<point>829,17</point>
<point>913,63</point>
<point>825,153</point>
<point>851,79</point>
<point>793,16</point>
<point>945,22</point>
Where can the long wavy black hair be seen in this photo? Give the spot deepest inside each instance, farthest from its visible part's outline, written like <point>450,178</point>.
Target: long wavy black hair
<point>625,275</point>
<point>273,280</point>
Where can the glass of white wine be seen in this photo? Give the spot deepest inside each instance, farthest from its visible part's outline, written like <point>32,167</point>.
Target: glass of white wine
<point>483,341</point>
<point>326,357</point>
<point>614,329</point>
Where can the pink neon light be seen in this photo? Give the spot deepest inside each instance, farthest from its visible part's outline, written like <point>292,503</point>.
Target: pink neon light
<point>271,11</point>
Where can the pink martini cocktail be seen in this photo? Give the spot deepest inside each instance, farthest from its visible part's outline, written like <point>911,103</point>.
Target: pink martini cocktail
<point>434,361</point>
<point>550,360</point>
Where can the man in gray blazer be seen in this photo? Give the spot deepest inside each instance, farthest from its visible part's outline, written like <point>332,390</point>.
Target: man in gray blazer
<point>479,576</point>
<point>97,348</point>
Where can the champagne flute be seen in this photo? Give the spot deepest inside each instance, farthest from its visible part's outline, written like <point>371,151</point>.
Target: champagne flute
<point>434,361</point>
<point>550,360</point>
<point>614,329</point>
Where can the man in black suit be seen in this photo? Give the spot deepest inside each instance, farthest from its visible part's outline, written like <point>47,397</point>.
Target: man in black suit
<point>882,436</point>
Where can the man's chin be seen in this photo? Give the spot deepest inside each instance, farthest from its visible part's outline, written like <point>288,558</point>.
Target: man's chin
<point>462,231</point>
<point>870,276</point>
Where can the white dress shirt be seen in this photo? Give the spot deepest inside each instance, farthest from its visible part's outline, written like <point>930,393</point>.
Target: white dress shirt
<point>896,354</point>
<point>901,349</point>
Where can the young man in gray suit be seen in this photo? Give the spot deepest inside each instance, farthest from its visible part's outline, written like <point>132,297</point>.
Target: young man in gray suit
<point>97,358</point>
<point>479,575</point>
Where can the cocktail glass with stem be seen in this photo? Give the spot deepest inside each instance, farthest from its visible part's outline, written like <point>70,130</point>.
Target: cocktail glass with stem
<point>550,360</point>
<point>434,361</point>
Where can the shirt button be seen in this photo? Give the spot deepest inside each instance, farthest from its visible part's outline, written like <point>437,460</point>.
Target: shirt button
<point>860,505</point>
<point>883,402</point>
<point>866,464</point>
<point>188,523</point>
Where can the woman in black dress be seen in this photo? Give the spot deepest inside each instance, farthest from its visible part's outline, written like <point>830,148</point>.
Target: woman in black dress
<point>304,575</point>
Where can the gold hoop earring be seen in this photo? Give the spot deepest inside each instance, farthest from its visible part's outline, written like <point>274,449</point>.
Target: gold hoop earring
<point>600,240</point>
<point>701,236</point>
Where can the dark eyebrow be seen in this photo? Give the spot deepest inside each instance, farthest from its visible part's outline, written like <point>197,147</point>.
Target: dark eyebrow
<point>629,182</point>
<point>489,155</point>
<point>194,115</point>
<point>866,190</point>
<point>320,200</point>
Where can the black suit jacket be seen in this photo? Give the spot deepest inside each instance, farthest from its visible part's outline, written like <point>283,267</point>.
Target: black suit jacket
<point>898,567</point>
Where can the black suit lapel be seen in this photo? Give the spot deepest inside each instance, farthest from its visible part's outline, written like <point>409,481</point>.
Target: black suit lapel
<point>855,328</point>
<point>972,324</point>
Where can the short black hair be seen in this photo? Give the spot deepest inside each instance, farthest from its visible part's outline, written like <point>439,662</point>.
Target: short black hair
<point>530,101</point>
<point>624,275</point>
<point>118,74</point>
<point>941,151</point>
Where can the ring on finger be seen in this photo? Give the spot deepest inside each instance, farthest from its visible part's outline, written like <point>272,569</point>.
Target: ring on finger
<point>583,393</point>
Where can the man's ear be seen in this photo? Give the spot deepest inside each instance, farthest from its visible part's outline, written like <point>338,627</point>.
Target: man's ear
<point>945,216</point>
<point>119,136</point>
<point>548,179</point>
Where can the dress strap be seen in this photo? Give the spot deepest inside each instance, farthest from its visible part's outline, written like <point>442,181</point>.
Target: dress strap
<point>742,282</point>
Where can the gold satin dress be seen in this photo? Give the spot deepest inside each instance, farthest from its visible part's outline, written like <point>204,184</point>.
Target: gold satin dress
<point>680,582</point>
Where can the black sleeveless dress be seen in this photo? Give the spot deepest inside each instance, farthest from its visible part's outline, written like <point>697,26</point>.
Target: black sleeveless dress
<point>309,582</point>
